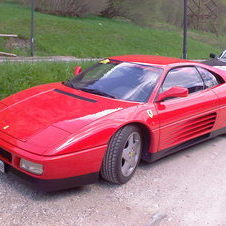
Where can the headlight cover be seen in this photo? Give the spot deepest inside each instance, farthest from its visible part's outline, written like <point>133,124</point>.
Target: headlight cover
<point>31,167</point>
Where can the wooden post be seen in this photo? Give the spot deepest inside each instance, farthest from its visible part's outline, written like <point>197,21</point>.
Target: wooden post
<point>8,36</point>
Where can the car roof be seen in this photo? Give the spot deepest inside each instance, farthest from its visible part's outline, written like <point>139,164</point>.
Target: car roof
<point>149,59</point>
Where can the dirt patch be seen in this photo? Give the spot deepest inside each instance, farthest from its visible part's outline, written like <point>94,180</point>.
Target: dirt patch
<point>17,43</point>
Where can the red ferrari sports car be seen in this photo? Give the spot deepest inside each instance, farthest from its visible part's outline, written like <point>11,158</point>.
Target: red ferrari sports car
<point>107,118</point>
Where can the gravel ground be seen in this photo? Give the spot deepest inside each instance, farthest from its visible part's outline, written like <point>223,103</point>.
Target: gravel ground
<point>187,188</point>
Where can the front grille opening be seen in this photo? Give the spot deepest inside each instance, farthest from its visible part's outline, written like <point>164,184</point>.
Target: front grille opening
<point>5,155</point>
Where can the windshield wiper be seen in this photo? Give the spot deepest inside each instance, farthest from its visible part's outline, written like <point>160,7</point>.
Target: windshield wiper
<point>95,91</point>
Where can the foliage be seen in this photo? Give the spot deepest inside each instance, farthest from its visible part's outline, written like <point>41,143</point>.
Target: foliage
<point>142,12</point>
<point>97,36</point>
<point>73,8</point>
<point>150,12</point>
<point>114,8</point>
<point>15,77</point>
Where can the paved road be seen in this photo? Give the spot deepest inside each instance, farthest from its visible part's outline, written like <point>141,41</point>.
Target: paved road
<point>46,59</point>
<point>188,188</point>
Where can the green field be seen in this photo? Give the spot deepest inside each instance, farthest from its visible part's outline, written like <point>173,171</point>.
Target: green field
<point>96,36</point>
<point>15,77</point>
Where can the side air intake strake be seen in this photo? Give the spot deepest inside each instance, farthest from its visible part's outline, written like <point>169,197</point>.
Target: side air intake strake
<point>193,128</point>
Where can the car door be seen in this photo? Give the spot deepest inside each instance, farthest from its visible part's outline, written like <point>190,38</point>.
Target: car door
<point>184,118</point>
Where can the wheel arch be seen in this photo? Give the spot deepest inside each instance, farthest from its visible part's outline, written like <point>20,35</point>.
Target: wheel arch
<point>111,169</point>
<point>146,135</point>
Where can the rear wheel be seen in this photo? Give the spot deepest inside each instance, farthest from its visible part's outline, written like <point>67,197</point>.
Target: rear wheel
<point>123,155</point>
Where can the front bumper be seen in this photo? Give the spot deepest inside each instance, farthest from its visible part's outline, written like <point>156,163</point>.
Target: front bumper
<point>60,172</point>
<point>54,184</point>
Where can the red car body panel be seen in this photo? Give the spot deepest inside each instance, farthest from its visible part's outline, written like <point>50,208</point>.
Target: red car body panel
<point>154,60</point>
<point>177,118</point>
<point>70,165</point>
<point>67,129</point>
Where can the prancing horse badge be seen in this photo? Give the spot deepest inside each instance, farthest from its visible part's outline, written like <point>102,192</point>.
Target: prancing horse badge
<point>150,113</point>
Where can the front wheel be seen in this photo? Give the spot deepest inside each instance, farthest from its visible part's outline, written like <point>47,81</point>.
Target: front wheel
<point>123,155</point>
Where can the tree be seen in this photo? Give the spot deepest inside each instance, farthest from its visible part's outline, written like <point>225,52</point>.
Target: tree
<point>114,8</point>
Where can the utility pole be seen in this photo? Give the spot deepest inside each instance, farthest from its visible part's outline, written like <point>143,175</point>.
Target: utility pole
<point>185,29</point>
<point>32,39</point>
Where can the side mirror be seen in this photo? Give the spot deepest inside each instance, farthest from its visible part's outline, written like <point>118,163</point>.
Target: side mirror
<point>175,91</point>
<point>212,55</point>
<point>77,70</point>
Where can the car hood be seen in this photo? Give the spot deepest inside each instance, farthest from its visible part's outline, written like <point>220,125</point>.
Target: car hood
<point>59,107</point>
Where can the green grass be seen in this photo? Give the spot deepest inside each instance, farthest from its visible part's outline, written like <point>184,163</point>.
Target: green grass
<point>15,77</point>
<point>95,37</point>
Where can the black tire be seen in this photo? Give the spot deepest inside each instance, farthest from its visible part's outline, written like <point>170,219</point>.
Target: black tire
<point>112,168</point>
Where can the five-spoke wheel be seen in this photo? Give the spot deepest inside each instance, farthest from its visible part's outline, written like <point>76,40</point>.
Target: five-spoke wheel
<point>123,155</point>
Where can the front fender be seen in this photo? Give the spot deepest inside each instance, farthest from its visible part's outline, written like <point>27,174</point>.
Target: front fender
<point>99,132</point>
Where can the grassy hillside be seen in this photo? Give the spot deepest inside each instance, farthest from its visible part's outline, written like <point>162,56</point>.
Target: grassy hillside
<point>15,77</point>
<point>94,37</point>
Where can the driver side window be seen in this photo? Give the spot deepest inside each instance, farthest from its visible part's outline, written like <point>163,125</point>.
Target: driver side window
<point>187,77</point>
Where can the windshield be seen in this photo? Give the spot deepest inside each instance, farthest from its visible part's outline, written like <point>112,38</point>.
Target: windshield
<point>125,81</point>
